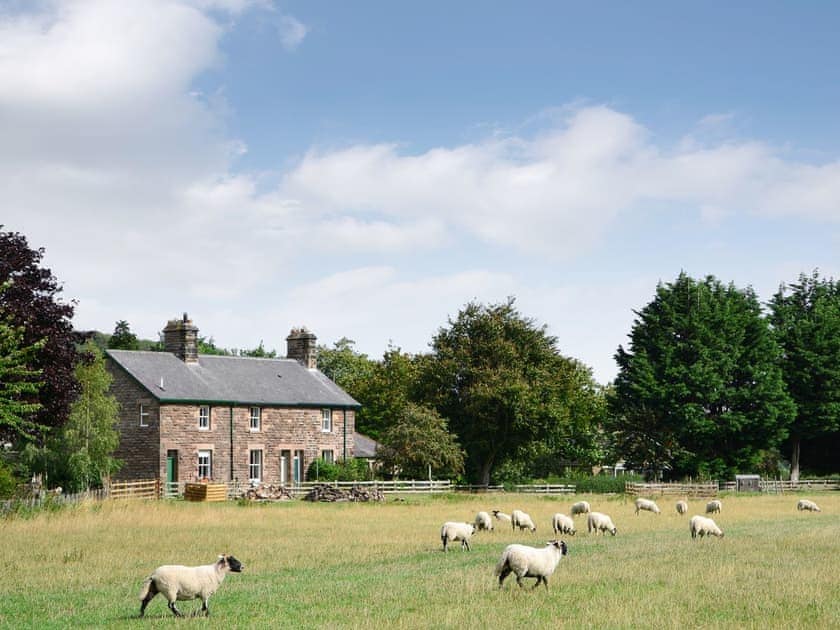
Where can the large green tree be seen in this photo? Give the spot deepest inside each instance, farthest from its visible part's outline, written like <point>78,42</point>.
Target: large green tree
<point>19,384</point>
<point>699,390</point>
<point>500,380</point>
<point>806,319</point>
<point>123,338</point>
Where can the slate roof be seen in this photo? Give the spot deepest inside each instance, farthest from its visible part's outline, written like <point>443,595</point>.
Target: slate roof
<point>363,446</point>
<point>223,379</point>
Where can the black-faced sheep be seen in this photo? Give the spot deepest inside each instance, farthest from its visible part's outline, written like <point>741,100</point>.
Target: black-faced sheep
<point>713,506</point>
<point>682,507</point>
<point>177,582</point>
<point>805,504</point>
<point>600,523</point>
<point>451,531</point>
<point>520,519</point>
<point>483,522</point>
<point>524,561</point>
<point>703,526</point>
<point>581,507</point>
<point>646,504</point>
<point>501,516</point>
<point>562,524</point>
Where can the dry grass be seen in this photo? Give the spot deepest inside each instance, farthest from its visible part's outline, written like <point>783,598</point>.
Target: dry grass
<point>371,566</point>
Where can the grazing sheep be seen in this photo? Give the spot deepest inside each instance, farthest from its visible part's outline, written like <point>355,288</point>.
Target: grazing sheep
<point>562,524</point>
<point>646,504</point>
<point>450,532</point>
<point>714,506</point>
<point>483,521</point>
<point>176,582</point>
<point>703,526</point>
<point>524,561</point>
<point>581,507</point>
<point>501,516</point>
<point>598,522</point>
<point>682,507</point>
<point>520,519</point>
<point>805,504</point>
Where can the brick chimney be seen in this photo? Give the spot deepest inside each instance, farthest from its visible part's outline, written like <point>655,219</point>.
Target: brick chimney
<point>180,337</point>
<point>300,345</point>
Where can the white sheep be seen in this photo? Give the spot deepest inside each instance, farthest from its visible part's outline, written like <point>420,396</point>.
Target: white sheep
<point>714,506</point>
<point>483,521</point>
<point>682,507</point>
<point>703,526</point>
<point>177,582</point>
<point>598,522</point>
<point>451,531</point>
<point>520,519</point>
<point>524,561</point>
<point>562,524</point>
<point>581,507</point>
<point>646,504</point>
<point>501,516</point>
<point>805,504</point>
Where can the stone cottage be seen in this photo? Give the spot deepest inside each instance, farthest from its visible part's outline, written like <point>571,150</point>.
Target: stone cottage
<point>188,417</point>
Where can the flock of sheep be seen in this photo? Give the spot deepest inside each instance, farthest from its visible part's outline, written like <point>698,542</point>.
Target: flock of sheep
<point>177,582</point>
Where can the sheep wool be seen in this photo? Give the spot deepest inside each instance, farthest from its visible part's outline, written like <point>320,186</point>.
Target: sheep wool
<point>647,505</point>
<point>600,523</point>
<point>810,506</point>
<point>451,532</point>
<point>703,526</point>
<point>682,507</point>
<point>524,561</point>
<point>581,507</point>
<point>483,522</point>
<point>501,516</point>
<point>520,519</point>
<point>714,506</point>
<point>177,582</point>
<point>562,524</point>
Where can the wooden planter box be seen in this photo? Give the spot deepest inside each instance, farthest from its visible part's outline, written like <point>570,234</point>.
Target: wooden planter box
<point>205,492</point>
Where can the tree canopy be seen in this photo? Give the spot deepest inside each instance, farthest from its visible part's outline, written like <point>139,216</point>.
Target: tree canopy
<point>19,385</point>
<point>123,338</point>
<point>699,390</point>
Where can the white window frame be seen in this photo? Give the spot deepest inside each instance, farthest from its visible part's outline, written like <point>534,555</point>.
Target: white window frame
<point>255,418</point>
<point>205,426</point>
<point>326,421</point>
<point>328,456</point>
<point>144,415</point>
<point>255,465</point>
<point>208,467</point>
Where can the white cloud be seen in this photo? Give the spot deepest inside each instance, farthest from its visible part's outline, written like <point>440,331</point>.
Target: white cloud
<point>291,32</point>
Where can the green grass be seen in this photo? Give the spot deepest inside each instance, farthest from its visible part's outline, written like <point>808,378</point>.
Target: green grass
<point>374,566</point>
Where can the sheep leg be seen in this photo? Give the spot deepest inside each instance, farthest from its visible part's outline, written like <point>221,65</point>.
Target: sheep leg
<point>175,610</point>
<point>519,581</point>
<point>505,572</point>
<point>204,607</point>
<point>465,543</point>
<point>149,596</point>
<point>541,578</point>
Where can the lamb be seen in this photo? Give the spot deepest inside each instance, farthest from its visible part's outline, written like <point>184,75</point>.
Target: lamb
<point>714,506</point>
<point>581,507</point>
<point>646,504</point>
<point>483,521</point>
<point>451,531</point>
<point>501,516</point>
<point>682,507</point>
<point>177,582</point>
<point>562,524</point>
<point>524,561</point>
<point>520,519</point>
<point>599,522</point>
<point>805,504</point>
<point>703,526</point>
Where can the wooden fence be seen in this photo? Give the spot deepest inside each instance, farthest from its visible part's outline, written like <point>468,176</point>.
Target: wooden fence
<point>546,488</point>
<point>708,489</point>
<point>142,489</point>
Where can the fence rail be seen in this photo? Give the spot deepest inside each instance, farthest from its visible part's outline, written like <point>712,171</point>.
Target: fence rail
<point>408,486</point>
<point>709,489</point>
<point>141,489</point>
<point>545,488</point>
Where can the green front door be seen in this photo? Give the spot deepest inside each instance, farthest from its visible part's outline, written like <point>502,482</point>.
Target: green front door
<point>171,467</point>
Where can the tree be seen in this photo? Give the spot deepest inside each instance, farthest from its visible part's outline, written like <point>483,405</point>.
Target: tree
<point>123,338</point>
<point>19,385</point>
<point>499,379</point>
<point>31,302</point>
<point>419,442</point>
<point>699,391</point>
<point>806,320</point>
<point>259,352</point>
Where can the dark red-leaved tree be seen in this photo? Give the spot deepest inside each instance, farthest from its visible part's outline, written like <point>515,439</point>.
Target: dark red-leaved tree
<point>31,301</point>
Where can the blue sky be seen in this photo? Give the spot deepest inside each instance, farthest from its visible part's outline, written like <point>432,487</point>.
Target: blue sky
<point>365,169</point>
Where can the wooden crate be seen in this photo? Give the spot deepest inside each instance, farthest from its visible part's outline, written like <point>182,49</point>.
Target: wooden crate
<point>205,491</point>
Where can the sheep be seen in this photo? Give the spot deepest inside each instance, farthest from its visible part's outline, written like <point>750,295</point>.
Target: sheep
<point>805,504</point>
<point>598,522</point>
<point>714,506</point>
<point>562,524</point>
<point>501,516</point>
<point>177,582</point>
<point>703,526</point>
<point>451,531</point>
<point>524,561</point>
<point>520,519</point>
<point>483,521</point>
<point>646,504</point>
<point>581,507</point>
<point>682,507</point>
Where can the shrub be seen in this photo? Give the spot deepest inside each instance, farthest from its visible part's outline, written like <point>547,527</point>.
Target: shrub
<point>351,470</point>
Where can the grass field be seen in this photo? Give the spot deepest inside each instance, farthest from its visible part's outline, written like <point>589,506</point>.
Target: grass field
<point>381,566</point>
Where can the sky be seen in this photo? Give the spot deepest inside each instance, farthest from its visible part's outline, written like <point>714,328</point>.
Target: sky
<point>366,169</point>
